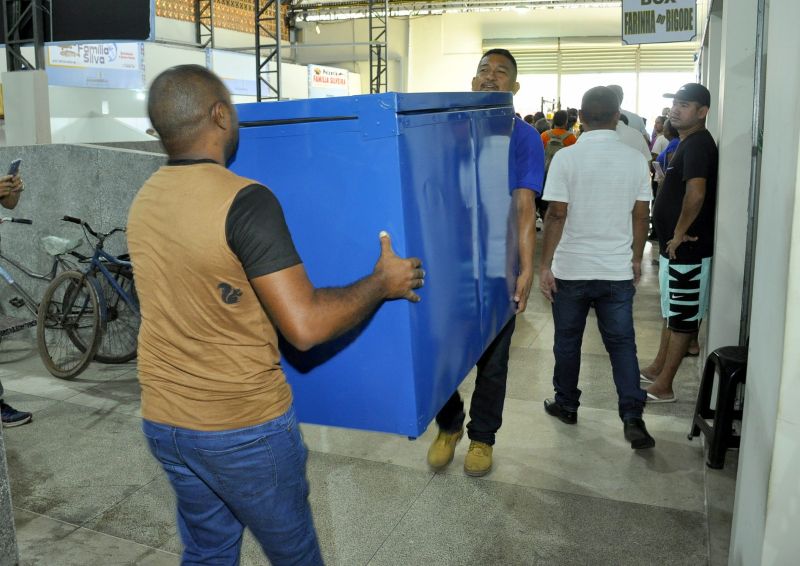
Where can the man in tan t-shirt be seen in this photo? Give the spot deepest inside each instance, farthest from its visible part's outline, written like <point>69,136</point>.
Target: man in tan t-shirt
<point>217,276</point>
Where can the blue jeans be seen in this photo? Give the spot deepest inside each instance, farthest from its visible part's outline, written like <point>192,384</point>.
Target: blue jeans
<point>224,481</point>
<point>613,304</point>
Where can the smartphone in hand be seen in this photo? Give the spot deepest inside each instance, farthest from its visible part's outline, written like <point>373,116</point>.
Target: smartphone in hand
<point>659,171</point>
<point>13,169</point>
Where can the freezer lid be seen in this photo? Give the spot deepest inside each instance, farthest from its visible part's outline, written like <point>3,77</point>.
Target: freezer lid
<point>260,114</point>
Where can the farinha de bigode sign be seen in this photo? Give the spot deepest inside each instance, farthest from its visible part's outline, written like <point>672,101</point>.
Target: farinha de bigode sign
<point>658,21</point>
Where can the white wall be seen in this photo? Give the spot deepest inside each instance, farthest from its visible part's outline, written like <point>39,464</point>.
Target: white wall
<point>781,543</point>
<point>439,59</point>
<point>765,522</point>
<point>714,66</point>
<point>83,115</point>
<point>77,115</point>
<point>440,53</point>
<point>733,110</point>
<point>184,32</point>
<point>335,48</point>
<point>159,58</point>
<point>444,50</point>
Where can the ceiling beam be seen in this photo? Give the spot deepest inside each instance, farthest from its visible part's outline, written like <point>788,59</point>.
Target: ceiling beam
<point>314,11</point>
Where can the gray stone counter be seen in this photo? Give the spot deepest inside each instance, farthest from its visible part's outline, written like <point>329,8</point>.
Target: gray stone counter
<point>8,539</point>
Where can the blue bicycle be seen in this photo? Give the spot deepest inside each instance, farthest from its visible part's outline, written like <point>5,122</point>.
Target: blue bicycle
<point>68,312</point>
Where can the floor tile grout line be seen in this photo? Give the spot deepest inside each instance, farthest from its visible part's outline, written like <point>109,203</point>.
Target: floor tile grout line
<point>74,393</point>
<point>70,400</point>
<point>79,527</point>
<point>76,527</point>
<point>117,503</point>
<point>400,520</point>
<point>707,521</point>
<point>595,497</point>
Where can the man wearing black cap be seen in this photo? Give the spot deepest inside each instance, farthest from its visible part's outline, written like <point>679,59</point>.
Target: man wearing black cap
<point>683,216</point>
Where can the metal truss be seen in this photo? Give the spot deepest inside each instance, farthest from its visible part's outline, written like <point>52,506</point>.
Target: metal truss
<point>310,10</point>
<point>204,18</point>
<point>268,49</point>
<point>378,20</point>
<point>24,25</point>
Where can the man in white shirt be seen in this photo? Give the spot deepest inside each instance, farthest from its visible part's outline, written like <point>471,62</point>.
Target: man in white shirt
<point>634,120</point>
<point>632,138</point>
<point>658,141</point>
<point>594,236</point>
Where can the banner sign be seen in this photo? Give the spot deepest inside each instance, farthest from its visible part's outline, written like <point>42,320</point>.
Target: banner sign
<point>96,65</point>
<point>658,21</point>
<point>237,70</point>
<point>327,81</point>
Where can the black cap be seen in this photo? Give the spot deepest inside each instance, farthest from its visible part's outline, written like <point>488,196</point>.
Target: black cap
<point>692,92</point>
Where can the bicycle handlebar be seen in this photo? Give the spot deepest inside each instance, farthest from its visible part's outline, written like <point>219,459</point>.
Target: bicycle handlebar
<point>83,223</point>
<point>99,235</point>
<point>17,220</point>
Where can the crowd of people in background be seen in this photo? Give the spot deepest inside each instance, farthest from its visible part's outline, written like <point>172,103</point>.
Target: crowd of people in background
<point>592,173</point>
<point>682,160</point>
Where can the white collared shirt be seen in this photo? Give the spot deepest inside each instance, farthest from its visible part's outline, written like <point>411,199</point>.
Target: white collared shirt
<point>635,121</point>
<point>633,138</point>
<point>600,178</point>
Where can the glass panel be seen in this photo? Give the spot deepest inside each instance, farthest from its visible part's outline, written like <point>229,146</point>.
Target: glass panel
<point>532,88</point>
<point>574,86</point>
<point>653,86</point>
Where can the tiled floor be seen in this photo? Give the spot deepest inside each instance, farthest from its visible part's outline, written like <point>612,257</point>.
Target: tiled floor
<point>87,492</point>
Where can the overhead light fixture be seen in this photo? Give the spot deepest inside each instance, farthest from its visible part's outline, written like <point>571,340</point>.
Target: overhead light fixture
<point>522,8</point>
<point>316,29</point>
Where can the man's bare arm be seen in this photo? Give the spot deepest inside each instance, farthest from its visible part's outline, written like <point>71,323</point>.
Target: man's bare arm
<point>554,222</point>
<point>307,316</point>
<point>641,224</point>
<point>524,201</point>
<point>692,204</point>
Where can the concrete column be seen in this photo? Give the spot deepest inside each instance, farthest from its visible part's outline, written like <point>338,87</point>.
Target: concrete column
<point>714,65</point>
<point>734,109</point>
<point>27,108</point>
<point>766,511</point>
<point>8,539</point>
<point>781,543</point>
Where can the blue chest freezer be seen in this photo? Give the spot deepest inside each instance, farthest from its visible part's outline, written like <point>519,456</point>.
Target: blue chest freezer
<point>432,170</point>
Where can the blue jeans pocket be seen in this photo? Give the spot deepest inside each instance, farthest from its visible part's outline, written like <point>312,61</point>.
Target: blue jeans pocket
<point>246,470</point>
<point>571,288</point>
<point>623,289</point>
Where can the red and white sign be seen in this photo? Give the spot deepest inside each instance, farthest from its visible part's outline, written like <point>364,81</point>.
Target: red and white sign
<point>324,82</point>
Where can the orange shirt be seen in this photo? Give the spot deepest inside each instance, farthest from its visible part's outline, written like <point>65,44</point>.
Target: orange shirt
<point>569,140</point>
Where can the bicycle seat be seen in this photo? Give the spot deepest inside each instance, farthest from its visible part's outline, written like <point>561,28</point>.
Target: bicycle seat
<point>55,245</point>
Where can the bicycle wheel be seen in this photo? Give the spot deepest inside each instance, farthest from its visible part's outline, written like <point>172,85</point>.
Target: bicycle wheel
<point>121,333</point>
<point>69,308</point>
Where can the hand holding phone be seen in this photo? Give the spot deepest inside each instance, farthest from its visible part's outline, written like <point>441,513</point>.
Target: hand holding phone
<point>13,169</point>
<point>659,171</point>
<point>11,183</point>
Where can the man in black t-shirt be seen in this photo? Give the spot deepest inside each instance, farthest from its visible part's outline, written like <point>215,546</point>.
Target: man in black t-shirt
<point>683,216</point>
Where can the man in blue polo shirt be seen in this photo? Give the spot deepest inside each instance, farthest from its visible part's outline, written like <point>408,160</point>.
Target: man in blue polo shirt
<point>497,71</point>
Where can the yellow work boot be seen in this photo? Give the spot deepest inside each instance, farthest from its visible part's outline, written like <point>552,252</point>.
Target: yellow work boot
<point>479,459</point>
<point>441,451</point>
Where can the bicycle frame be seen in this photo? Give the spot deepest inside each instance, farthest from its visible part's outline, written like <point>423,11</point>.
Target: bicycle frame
<point>49,276</point>
<point>30,303</point>
<point>98,260</point>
